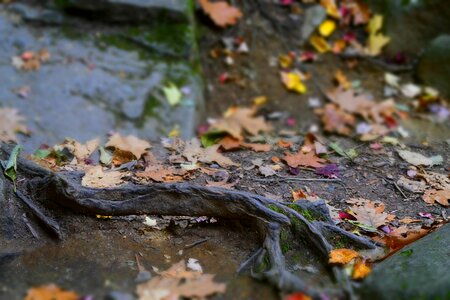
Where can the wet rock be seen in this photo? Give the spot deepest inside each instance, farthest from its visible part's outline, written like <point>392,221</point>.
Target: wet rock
<point>133,10</point>
<point>434,66</point>
<point>99,78</point>
<point>314,16</point>
<point>412,24</point>
<point>418,271</point>
<point>37,14</point>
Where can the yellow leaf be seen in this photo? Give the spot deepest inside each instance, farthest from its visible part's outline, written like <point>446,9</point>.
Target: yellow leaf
<point>285,61</point>
<point>331,8</point>
<point>260,100</point>
<point>376,43</point>
<point>361,270</point>
<point>342,256</point>
<point>293,82</point>
<point>327,28</point>
<point>375,24</point>
<point>376,40</point>
<point>319,43</point>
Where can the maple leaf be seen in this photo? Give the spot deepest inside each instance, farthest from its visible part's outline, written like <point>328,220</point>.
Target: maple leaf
<point>129,143</point>
<point>50,292</point>
<point>335,119</point>
<point>239,119</point>
<point>81,151</point>
<point>342,256</point>
<point>309,159</point>
<point>10,124</point>
<point>221,12</point>
<point>95,177</point>
<point>370,215</point>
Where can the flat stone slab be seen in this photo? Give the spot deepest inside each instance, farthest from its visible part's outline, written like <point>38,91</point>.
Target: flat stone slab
<point>418,271</point>
<point>99,78</point>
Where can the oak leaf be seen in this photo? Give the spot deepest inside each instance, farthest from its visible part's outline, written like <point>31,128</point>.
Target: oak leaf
<point>240,119</point>
<point>10,124</point>
<point>129,143</point>
<point>370,215</point>
<point>221,12</point>
<point>309,159</point>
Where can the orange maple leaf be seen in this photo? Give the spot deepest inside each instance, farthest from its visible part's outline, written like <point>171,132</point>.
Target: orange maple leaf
<point>342,256</point>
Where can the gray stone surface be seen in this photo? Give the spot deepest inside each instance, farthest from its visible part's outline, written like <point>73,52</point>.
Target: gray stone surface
<point>133,10</point>
<point>419,271</point>
<point>434,66</point>
<point>412,24</point>
<point>100,78</point>
<point>314,16</point>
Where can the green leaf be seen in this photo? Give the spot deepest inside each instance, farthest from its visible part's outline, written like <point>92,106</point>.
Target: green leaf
<point>172,93</point>
<point>42,153</point>
<point>105,156</point>
<point>350,153</point>
<point>364,227</point>
<point>212,137</point>
<point>10,166</point>
<point>407,253</point>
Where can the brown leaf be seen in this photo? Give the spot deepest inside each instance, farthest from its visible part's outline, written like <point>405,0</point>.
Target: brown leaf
<point>401,237</point>
<point>360,270</point>
<point>240,119</point>
<point>230,143</point>
<point>129,143</point>
<point>350,101</point>
<point>95,177</point>
<point>309,159</point>
<point>257,147</point>
<point>336,120</point>
<point>440,196</point>
<point>201,287</point>
<point>10,124</point>
<point>50,292</point>
<point>162,174</point>
<point>81,151</point>
<point>221,12</point>
<point>370,215</point>
<point>211,155</point>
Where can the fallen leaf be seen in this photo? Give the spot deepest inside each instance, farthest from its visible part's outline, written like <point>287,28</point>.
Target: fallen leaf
<point>335,119</point>
<point>319,43</point>
<point>301,159</point>
<point>360,270</point>
<point>266,171</point>
<point>370,215</point>
<point>376,40</point>
<point>418,159</point>
<point>10,166</point>
<point>257,147</point>
<point>81,151</point>
<point>413,186</point>
<point>230,143</point>
<point>240,119</point>
<point>342,256</point>
<point>293,82</point>
<point>95,177</point>
<point>211,154</point>
<point>440,196</point>
<point>221,12</point>
<point>130,143</point>
<point>342,80</point>
<point>11,122</point>
<point>331,8</point>
<point>327,28</point>
<point>297,296</point>
<point>172,93</point>
<point>162,174</point>
<point>50,292</point>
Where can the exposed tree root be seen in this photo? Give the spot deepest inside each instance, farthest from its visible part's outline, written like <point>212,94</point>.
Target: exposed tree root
<point>184,199</point>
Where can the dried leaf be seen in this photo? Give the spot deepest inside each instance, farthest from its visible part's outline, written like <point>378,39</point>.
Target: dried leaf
<point>266,171</point>
<point>257,147</point>
<point>129,143</point>
<point>301,159</point>
<point>221,12</point>
<point>440,196</point>
<point>10,124</point>
<point>95,177</point>
<point>230,143</point>
<point>50,292</point>
<point>342,256</point>
<point>336,120</point>
<point>418,159</point>
<point>211,155</point>
<point>293,82</point>
<point>81,151</point>
<point>161,174</point>
<point>240,119</point>
<point>370,215</point>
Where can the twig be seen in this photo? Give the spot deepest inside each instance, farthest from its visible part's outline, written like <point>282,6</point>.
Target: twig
<point>188,246</point>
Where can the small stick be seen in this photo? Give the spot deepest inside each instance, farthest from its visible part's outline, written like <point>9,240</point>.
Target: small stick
<point>196,243</point>
<point>399,189</point>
